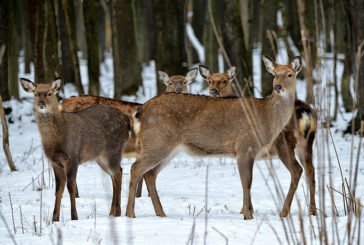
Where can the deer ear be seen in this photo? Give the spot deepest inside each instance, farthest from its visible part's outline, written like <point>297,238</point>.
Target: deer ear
<point>56,85</point>
<point>296,64</point>
<point>27,85</point>
<point>191,75</point>
<point>163,77</point>
<point>269,63</point>
<point>231,73</point>
<point>204,71</point>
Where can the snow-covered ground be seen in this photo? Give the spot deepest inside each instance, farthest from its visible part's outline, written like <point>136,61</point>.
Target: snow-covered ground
<point>27,207</point>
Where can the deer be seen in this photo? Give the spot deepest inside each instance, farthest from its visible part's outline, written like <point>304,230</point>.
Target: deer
<point>177,83</point>
<point>72,138</point>
<point>174,83</point>
<point>206,126</point>
<point>298,134</point>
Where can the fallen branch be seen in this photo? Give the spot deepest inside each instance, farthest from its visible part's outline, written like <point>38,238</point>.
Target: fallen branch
<point>6,137</point>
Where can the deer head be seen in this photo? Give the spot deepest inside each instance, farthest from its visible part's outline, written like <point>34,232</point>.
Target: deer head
<point>219,83</point>
<point>284,75</point>
<point>45,99</point>
<point>177,83</point>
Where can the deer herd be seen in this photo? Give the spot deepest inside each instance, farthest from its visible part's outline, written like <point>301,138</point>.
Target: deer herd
<point>85,128</point>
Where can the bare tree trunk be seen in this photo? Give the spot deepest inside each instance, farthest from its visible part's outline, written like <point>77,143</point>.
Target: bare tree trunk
<point>90,9</point>
<point>170,35</point>
<point>66,6</point>
<point>4,90</point>
<point>6,137</point>
<point>308,42</point>
<point>127,77</point>
<point>209,40</point>
<point>12,48</point>
<point>145,30</point>
<point>25,34</point>
<point>234,43</point>
<point>357,25</point>
<point>269,25</point>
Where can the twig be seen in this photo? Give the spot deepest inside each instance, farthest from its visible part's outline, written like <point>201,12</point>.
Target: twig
<point>21,220</point>
<point>192,234</point>
<point>12,212</point>
<point>360,204</point>
<point>7,227</point>
<point>206,201</point>
<point>32,182</point>
<point>222,234</point>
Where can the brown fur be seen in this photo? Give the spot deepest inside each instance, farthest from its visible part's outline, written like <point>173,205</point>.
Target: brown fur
<point>204,125</point>
<point>71,138</point>
<point>177,83</point>
<point>298,134</point>
<point>77,103</point>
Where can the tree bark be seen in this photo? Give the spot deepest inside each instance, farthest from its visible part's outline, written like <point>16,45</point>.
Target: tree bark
<point>4,90</point>
<point>90,9</point>
<point>67,10</point>
<point>170,36</point>
<point>5,137</point>
<point>210,42</point>
<point>357,24</point>
<point>234,43</point>
<point>269,45</point>
<point>127,78</point>
<point>307,24</point>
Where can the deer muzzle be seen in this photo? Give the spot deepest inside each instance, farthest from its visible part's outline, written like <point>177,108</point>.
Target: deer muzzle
<point>278,88</point>
<point>213,92</point>
<point>41,105</point>
<point>178,90</point>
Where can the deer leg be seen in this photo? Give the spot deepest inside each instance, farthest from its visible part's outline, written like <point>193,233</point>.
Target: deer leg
<point>60,178</point>
<point>150,179</point>
<point>72,189</point>
<point>245,166</point>
<point>285,148</point>
<point>77,195</point>
<point>306,160</point>
<point>139,189</point>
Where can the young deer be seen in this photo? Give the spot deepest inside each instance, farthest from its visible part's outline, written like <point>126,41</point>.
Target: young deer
<point>69,139</point>
<point>240,127</point>
<point>177,83</point>
<point>298,134</point>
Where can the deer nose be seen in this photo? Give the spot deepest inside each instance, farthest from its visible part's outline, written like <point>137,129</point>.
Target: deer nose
<point>178,90</point>
<point>278,88</point>
<point>213,92</point>
<point>41,105</point>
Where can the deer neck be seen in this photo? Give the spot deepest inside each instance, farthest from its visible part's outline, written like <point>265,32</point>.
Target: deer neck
<point>49,124</point>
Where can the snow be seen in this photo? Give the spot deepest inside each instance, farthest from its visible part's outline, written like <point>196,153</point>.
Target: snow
<point>181,186</point>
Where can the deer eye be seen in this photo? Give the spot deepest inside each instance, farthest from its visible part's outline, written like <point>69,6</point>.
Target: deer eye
<point>170,83</point>
<point>210,81</point>
<point>289,75</point>
<point>184,82</point>
<point>49,94</point>
<point>224,81</point>
<point>35,94</point>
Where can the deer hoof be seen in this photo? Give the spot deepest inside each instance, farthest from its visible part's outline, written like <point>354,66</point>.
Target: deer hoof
<point>284,213</point>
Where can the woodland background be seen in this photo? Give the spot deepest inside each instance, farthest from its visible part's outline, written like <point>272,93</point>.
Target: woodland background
<point>55,34</point>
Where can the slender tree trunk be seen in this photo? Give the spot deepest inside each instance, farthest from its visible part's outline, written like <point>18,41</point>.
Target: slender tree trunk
<point>67,69</point>
<point>292,22</point>
<point>145,30</point>
<point>170,35</point>
<point>307,23</point>
<point>90,9</point>
<point>51,54</point>
<point>234,43</point>
<point>5,137</point>
<point>269,46</point>
<point>357,24</point>
<point>4,90</point>
<point>67,8</point>
<point>343,44</point>
<point>127,77</point>
<point>209,40</point>
<point>25,34</point>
